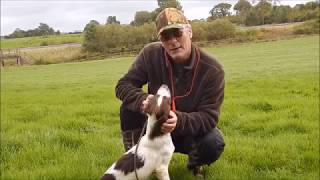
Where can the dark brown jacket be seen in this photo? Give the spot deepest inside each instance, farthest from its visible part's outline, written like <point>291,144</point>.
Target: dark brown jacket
<point>198,112</point>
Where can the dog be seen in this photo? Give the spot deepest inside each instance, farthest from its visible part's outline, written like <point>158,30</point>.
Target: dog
<point>155,148</point>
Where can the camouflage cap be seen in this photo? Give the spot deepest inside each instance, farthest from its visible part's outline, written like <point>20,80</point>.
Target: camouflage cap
<point>170,18</point>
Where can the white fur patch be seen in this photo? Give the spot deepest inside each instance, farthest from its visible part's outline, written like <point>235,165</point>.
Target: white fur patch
<point>164,91</point>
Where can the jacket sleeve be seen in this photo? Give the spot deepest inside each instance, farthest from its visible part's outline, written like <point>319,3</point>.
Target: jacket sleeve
<point>129,87</point>
<point>206,117</point>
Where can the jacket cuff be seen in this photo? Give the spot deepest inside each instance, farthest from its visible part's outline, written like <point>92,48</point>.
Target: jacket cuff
<point>177,130</point>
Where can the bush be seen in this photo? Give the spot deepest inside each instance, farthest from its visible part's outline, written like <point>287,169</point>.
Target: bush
<point>308,27</point>
<point>115,37</point>
<point>199,31</point>
<point>220,29</point>
<point>54,55</point>
<point>44,43</point>
<point>247,35</point>
<point>236,19</point>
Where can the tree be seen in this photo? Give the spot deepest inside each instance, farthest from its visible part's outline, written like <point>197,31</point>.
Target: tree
<point>312,5</point>
<point>142,17</point>
<point>264,9</point>
<point>220,10</point>
<point>253,18</point>
<point>169,3</point>
<point>44,29</point>
<point>274,2</point>
<point>281,14</point>
<point>18,33</point>
<point>303,12</point>
<point>90,25</point>
<point>90,31</point>
<point>242,7</point>
<point>112,20</point>
<point>165,4</point>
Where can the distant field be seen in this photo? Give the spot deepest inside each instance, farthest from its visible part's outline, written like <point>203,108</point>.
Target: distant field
<point>40,41</point>
<point>61,121</point>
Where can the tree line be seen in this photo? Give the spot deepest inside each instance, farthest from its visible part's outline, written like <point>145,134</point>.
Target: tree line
<point>42,30</point>
<point>114,37</point>
<point>263,12</point>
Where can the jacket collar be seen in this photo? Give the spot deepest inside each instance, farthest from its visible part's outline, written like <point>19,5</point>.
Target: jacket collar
<point>192,61</point>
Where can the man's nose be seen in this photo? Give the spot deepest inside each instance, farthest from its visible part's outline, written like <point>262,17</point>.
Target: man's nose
<point>172,39</point>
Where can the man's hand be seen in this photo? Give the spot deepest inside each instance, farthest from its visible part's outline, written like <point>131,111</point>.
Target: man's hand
<point>170,124</point>
<point>146,102</point>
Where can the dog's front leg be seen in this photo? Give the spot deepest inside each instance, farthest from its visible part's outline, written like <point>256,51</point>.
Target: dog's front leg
<point>162,173</point>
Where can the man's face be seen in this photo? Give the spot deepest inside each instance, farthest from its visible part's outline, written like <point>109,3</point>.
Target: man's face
<point>177,43</point>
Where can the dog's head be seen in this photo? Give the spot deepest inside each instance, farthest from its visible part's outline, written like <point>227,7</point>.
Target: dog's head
<point>160,104</point>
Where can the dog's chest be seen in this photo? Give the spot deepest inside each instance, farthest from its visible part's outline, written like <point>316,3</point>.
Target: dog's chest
<point>158,148</point>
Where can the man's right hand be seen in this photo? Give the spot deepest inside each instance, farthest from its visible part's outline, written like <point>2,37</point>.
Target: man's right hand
<point>146,102</point>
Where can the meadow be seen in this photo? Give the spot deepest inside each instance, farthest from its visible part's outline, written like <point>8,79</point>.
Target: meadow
<point>61,121</point>
<point>40,41</point>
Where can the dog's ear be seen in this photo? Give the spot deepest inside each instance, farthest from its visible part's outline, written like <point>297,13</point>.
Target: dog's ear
<point>164,109</point>
<point>152,105</point>
<point>166,104</point>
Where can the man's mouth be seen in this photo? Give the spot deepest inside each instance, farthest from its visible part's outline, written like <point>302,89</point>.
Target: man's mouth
<point>173,49</point>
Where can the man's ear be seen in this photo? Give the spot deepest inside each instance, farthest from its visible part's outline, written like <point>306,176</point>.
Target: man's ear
<point>190,33</point>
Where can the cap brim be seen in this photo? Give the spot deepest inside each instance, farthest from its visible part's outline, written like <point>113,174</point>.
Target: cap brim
<point>172,26</point>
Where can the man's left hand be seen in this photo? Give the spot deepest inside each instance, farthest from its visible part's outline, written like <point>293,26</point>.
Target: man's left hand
<point>170,124</point>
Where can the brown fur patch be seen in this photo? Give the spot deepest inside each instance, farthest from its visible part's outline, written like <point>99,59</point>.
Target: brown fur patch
<point>162,115</point>
<point>151,108</point>
<point>126,163</point>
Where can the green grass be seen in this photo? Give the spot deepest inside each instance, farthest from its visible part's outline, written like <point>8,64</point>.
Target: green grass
<point>41,40</point>
<point>61,121</point>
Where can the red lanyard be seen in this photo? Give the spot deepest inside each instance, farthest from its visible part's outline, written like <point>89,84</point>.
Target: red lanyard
<point>173,104</point>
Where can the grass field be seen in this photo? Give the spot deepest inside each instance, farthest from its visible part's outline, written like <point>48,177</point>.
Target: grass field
<point>40,41</point>
<point>61,121</point>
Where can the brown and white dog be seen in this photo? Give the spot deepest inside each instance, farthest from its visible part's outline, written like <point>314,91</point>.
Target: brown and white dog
<point>155,148</point>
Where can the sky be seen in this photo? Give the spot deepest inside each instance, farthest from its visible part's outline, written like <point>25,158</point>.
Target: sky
<point>73,15</point>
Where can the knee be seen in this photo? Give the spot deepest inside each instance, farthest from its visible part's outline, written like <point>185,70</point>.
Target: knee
<point>211,147</point>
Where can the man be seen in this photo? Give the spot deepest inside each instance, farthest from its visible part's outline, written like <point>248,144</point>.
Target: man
<point>196,82</point>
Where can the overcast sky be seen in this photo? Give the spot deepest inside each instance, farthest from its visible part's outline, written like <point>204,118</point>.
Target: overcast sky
<point>73,15</point>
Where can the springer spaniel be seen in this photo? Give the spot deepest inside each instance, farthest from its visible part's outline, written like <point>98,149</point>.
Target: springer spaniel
<point>155,149</point>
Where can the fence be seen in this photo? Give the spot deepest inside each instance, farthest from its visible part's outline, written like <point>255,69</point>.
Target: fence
<point>20,57</point>
<point>11,54</point>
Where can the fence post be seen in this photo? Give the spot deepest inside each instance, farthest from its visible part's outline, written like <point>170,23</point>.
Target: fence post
<point>1,58</point>
<point>18,56</point>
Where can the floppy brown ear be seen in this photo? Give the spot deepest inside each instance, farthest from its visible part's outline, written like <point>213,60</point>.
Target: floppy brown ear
<point>164,110</point>
<point>152,105</point>
<point>166,104</point>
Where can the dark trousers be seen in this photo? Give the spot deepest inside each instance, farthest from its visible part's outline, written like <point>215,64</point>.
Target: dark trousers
<point>200,150</point>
